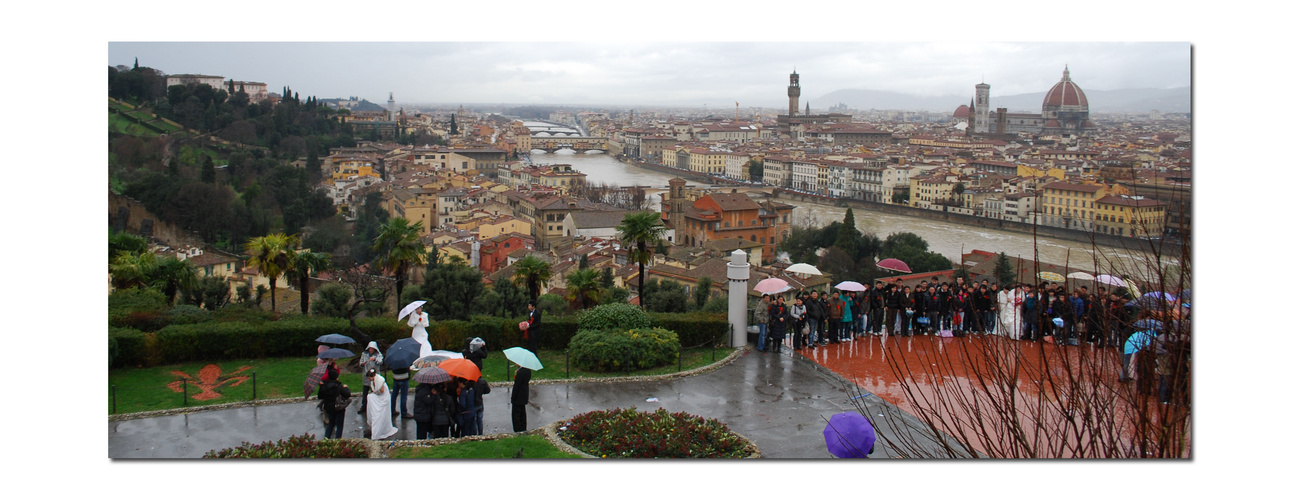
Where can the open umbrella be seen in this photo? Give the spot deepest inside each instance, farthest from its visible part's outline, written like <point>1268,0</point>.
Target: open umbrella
<point>801,268</point>
<point>410,308</point>
<point>314,379</point>
<point>402,353</point>
<point>462,368</point>
<point>335,338</point>
<point>851,286</point>
<point>1162,295</point>
<point>772,285</point>
<point>1050,276</point>
<point>523,357</point>
<point>849,435</point>
<point>431,361</point>
<point>1106,279</point>
<point>432,375</point>
<point>893,265</point>
<point>1079,275</point>
<point>1132,287</point>
<point>446,354</point>
<point>335,353</point>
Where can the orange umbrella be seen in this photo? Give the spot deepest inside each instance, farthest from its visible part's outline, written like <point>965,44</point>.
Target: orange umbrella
<point>461,368</point>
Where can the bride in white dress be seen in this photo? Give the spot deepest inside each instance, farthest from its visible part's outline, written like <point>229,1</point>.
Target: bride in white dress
<point>378,412</point>
<point>419,321</point>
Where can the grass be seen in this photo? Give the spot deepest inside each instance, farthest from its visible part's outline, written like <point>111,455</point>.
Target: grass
<point>146,389</point>
<point>533,447</point>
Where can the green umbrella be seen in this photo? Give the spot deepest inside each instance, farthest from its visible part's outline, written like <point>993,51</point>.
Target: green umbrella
<point>523,357</point>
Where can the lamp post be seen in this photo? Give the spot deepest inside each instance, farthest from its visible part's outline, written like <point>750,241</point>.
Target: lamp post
<point>737,272</point>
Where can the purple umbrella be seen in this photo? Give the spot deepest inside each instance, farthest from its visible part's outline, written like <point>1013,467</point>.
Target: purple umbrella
<point>893,265</point>
<point>849,435</point>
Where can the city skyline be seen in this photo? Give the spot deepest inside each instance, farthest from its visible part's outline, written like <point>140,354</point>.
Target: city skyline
<point>692,74</point>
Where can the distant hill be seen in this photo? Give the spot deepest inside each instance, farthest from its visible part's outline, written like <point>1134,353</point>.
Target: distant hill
<point>1176,100</point>
<point>362,105</point>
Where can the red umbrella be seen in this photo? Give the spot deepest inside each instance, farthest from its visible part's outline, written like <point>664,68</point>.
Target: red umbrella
<point>461,368</point>
<point>893,265</point>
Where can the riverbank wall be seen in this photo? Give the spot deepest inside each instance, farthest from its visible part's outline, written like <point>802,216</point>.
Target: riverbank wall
<point>1106,240</point>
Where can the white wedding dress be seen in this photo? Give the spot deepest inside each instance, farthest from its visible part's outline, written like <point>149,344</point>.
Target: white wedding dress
<point>419,323</point>
<point>378,411</point>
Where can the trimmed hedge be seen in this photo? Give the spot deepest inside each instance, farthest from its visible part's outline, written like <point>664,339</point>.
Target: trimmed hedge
<point>617,350</point>
<point>246,333</point>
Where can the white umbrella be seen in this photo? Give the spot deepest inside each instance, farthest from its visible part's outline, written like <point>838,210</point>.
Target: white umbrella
<point>801,268</point>
<point>1106,279</point>
<point>1079,275</point>
<point>851,286</point>
<point>410,308</point>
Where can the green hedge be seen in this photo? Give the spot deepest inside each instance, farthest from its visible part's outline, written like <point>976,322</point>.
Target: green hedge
<point>251,334</point>
<point>618,350</point>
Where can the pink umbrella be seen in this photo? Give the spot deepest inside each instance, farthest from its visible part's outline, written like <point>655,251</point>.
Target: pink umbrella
<point>893,265</point>
<point>771,285</point>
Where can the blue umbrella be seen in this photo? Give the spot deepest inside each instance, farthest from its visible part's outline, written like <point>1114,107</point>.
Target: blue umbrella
<point>849,435</point>
<point>1163,295</point>
<point>335,353</point>
<point>335,338</point>
<point>402,353</point>
<point>1138,341</point>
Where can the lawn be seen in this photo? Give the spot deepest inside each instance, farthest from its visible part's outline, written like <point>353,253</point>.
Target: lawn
<point>522,446</point>
<point>158,388</point>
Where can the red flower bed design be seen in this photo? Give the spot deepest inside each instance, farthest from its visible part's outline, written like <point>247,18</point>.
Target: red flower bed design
<point>209,378</point>
<point>628,433</point>
<point>304,446</point>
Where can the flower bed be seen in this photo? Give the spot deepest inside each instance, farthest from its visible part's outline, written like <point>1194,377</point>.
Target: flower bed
<point>620,433</point>
<point>304,446</point>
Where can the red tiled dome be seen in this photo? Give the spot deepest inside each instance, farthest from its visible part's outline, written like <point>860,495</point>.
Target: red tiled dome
<point>1065,93</point>
<point>962,112</point>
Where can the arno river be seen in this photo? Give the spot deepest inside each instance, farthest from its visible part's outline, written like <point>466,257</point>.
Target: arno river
<point>944,237</point>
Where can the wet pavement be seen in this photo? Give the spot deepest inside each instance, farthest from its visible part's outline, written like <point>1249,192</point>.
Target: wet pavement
<point>780,401</point>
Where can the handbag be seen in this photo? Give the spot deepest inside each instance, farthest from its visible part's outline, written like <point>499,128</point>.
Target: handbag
<point>341,402</point>
<point>806,329</point>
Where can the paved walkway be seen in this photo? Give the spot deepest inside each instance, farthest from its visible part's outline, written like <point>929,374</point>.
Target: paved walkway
<point>781,402</point>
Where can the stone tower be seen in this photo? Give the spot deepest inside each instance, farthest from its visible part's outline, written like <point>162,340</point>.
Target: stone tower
<point>794,92</point>
<point>392,108</point>
<point>677,206</point>
<point>981,92</point>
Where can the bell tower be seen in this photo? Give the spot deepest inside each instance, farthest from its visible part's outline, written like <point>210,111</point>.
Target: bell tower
<point>794,92</point>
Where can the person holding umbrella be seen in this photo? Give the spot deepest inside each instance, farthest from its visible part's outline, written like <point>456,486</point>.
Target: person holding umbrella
<point>328,395</point>
<point>419,323</point>
<point>424,395</point>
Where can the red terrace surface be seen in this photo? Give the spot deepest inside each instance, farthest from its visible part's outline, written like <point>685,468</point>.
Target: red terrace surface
<point>865,361</point>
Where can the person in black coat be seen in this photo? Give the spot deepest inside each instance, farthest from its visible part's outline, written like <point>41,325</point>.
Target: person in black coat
<point>476,351</point>
<point>423,411</point>
<point>816,313</point>
<point>780,321</point>
<point>443,407</point>
<point>534,326</point>
<point>875,299</point>
<point>328,392</point>
<point>519,399</point>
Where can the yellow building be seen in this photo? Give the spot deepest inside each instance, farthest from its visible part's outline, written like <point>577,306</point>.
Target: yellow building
<point>345,167</point>
<point>1129,216</point>
<point>1070,205</point>
<point>1044,171</point>
<point>508,224</point>
<point>415,205</point>
<point>930,190</point>
<point>562,178</point>
<point>707,162</point>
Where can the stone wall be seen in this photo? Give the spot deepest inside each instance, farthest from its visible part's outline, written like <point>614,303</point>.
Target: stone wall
<point>136,215</point>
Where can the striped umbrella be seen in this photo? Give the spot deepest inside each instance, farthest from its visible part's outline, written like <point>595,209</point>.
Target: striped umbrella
<point>432,375</point>
<point>314,379</point>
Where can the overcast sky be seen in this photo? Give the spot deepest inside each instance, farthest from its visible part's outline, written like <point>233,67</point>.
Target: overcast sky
<point>716,74</point>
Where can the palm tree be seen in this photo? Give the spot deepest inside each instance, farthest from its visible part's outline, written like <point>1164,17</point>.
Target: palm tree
<point>532,271</point>
<point>398,248</point>
<point>583,287</point>
<point>642,229</point>
<point>130,270</point>
<point>172,275</point>
<point>271,255</point>
<point>305,264</point>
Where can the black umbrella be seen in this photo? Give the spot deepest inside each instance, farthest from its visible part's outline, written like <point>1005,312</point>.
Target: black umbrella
<point>402,353</point>
<point>335,353</point>
<point>335,338</point>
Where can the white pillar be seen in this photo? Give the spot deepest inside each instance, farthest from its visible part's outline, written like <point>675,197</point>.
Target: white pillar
<point>737,272</point>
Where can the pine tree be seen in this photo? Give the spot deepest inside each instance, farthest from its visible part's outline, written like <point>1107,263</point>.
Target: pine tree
<point>848,235</point>
<point>453,125</point>
<point>209,170</point>
<point>1004,272</point>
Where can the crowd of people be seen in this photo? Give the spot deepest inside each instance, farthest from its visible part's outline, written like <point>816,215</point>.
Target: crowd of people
<point>1048,312</point>
<point>447,409</point>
